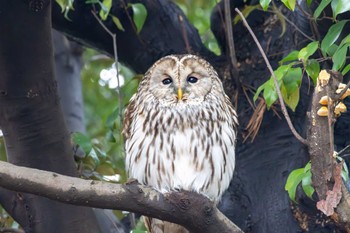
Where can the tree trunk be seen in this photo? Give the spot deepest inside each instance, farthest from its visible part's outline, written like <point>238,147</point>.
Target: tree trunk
<point>31,117</point>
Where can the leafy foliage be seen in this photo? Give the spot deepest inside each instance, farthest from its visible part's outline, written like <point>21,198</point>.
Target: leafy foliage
<point>304,175</point>
<point>305,59</point>
<point>198,13</point>
<point>139,16</point>
<point>66,6</point>
<point>103,145</point>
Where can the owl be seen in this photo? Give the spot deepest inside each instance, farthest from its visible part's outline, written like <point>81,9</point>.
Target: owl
<point>180,132</point>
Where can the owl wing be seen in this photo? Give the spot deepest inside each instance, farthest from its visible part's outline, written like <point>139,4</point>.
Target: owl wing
<point>128,117</point>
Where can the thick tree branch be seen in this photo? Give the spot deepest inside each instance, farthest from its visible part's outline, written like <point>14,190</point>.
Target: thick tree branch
<point>191,210</point>
<point>326,172</point>
<point>160,35</point>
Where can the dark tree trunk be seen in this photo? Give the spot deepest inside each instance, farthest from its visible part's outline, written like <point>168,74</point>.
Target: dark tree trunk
<point>31,117</point>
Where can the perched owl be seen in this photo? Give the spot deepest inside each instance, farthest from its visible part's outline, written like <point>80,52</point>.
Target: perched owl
<point>180,132</point>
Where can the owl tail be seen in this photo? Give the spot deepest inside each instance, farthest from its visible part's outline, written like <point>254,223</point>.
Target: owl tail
<point>154,225</point>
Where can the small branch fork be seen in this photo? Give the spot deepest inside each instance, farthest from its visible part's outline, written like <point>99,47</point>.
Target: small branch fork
<point>283,106</point>
<point>191,210</point>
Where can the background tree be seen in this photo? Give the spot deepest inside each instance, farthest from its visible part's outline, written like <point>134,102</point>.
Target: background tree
<point>256,199</point>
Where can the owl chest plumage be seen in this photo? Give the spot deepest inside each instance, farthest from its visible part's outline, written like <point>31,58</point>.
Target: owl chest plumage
<point>190,148</point>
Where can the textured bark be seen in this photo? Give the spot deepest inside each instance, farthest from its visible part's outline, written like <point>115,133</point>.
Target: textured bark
<point>31,117</point>
<point>191,210</point>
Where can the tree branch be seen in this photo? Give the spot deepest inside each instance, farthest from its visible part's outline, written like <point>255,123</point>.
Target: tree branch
<point>326,172</point>
<point>192,210</point>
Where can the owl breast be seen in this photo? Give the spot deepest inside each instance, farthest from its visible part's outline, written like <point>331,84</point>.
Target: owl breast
<point>182,148</point>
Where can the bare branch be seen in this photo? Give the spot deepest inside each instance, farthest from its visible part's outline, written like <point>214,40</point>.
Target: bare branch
<point>192,210</point>
<point>283,106</point>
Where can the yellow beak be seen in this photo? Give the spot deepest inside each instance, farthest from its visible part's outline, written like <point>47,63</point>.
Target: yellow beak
<point>179,94</point>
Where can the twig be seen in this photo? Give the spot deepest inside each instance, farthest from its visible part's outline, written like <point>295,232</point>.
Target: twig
<point>115,50</point>
<point>229,34</point>
<point>291,23</point>
<point>283,106</point>
<point>329,116</point>
<point>343,150</point>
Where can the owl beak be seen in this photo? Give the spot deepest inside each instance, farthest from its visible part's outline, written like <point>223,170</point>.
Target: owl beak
<point>179,94</point>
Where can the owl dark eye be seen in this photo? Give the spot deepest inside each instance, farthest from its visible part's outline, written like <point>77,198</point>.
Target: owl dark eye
<point>192,79</point>
<point>167,81</point>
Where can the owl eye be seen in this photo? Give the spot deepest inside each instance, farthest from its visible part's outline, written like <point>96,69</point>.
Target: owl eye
<point>167,81</point>
<point>192,79</point>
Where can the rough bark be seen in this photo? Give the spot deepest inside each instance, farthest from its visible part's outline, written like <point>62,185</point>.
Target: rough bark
<point>31,117</point>
<point>192,210</point>
<point>326,171</point>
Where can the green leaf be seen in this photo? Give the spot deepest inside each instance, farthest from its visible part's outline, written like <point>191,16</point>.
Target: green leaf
<point>313,69</point>
<point>308,2</point>
<point>282,70</point>
<point>265,4</point>
<point>112,118</point>
<point>346,40</point>
<point>345,70</point>
<point>307,167</point>
<point>105,8</point>
<point>332,35</point>
<point>321,7</point>
<point>139,16</point>
<point>290,4</point>
<point>309,50</point>
<point>66,6</point>
<point>94,156</point>
<point>138,231</point>
<point>339,57</point>
<point>290,87</point>
<point>306,184</point>
<point>340,6</point>
<point>293,180</point>
<point>270,93</point>
<point>118,23</point>
<point>292,56</point>
<point>83,141</point>
<point>258,91</point>
<point>291,79</point>
<point>246,11</point>
<point>332,49</point>
<point>291,99</point>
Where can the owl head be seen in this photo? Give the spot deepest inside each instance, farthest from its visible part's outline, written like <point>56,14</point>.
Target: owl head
<point>181,80</point>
